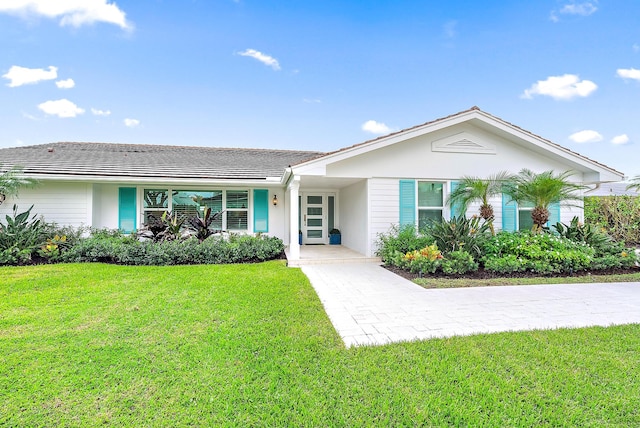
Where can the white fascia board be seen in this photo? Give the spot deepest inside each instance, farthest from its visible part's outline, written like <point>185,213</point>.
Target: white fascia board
<point>604,172</point>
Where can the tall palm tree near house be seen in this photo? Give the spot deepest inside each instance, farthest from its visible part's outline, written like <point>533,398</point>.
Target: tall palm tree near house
<point>634,183</point>
<point>542,190</point>
<point>474,189</point>
<point>11,180</point>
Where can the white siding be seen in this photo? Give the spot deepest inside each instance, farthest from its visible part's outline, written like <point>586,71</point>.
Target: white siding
<point>354,216</point>
<point>67,204</point>
<point>384,207</point>
<point>105,205</point>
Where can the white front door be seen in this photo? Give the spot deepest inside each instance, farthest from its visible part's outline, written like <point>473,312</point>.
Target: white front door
<point>314,219</point>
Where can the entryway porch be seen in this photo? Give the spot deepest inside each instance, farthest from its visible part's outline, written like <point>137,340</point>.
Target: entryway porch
<point>328,254</point>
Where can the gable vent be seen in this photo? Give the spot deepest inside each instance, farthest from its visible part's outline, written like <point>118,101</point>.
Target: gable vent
<point>462,143</point>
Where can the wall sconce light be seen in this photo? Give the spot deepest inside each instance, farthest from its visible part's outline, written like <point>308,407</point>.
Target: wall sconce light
<point>275,200</point>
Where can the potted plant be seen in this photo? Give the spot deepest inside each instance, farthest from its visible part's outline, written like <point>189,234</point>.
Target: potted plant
<point>335,238</point>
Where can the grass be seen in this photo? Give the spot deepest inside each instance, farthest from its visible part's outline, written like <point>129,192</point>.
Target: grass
<point>250,345</point>
<point>439,282</point>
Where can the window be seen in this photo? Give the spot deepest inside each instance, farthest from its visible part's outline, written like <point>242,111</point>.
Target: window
<point>187,203</point>
<point>237,209</point>
<point>525,222</point>
<point>155,202</point>
<point>430,202</point>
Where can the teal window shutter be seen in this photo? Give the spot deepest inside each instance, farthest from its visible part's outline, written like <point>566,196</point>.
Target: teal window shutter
<point>554,214</point>
<point>127,209</point>
<point>509,214</point>
<point>260,210</point>
<point>407,202</point>
<point>456,209</point>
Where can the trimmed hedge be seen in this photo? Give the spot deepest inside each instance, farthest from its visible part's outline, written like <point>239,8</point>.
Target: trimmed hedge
<point>213,250</point>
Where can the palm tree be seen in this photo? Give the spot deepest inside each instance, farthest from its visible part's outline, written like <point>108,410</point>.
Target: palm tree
<point>542,190</point>
<point>634,183</point>
<point>11,180</point>
<point>472,189</point>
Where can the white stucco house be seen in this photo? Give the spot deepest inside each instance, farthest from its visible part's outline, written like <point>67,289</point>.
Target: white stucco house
<point>401,178</point>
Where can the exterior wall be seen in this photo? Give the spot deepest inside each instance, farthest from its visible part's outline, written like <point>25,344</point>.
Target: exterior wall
<point>354,216</point>
<point>384,208</point>
<point>105,205</point>
<point>67,204</point>
<point>277,215</point>
<point>414,158</point>
<point>96,205</point>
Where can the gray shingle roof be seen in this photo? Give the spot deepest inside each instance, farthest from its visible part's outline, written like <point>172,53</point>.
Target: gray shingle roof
<point>134,160</point>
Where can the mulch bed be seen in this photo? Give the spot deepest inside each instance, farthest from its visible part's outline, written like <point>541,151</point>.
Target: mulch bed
<point>482,274</point>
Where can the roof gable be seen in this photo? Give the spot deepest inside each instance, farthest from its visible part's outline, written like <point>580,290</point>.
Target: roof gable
<point>461,142</point>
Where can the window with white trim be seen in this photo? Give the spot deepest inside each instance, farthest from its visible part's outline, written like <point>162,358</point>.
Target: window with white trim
<point>187,203</point>
<point>430,202</point>
<point>525,221</point>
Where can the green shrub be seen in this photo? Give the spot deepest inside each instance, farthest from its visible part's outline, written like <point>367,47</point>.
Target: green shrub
<point>460,233</point>
<point>505,264</point>
<point>619,216</point>
<point>399,241</point>
<point>426,260</point>
<point>458,262</point>
<point>212,250</point>
<point>540,253</point>
<point>20,236</point>
<point>585,233</point>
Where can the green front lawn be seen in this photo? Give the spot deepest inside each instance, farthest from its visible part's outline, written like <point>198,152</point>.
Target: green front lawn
<point>243,345</point>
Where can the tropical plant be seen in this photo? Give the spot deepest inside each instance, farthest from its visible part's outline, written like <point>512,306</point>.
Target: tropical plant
<point>202,224</point>
<point>400,240</point>
<point>460,233</point>
<point>586,233</point>
<point>634,183</point>
<point>458,262</point>
<point>165,228</point>
<point>542,190</point>
<point>20,236</point>
<point>474,189</point>
<point>425,260</point>
<point>11,180</point>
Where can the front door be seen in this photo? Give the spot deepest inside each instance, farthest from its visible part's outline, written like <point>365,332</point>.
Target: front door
<point>314,219</point>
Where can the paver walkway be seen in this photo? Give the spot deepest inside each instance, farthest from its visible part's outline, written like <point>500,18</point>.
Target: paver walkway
<point>367,304</point>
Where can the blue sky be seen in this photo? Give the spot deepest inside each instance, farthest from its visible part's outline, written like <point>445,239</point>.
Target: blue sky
<point>318,75</point>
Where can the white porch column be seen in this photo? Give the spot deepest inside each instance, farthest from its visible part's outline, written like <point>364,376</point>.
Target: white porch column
<point>294,191</point>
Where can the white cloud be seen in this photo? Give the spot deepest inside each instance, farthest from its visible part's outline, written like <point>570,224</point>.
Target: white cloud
<point>61,108</point>
<point>636,47</point>
<point>375,127</point>
<point>628,73</point>
<point>131,123</point>
<point>263,58</point>
<point>65,84</point>
<point>70,12</point>
<point>312,100</point>
<point>586,136</point>
<point>97,112</point>
<point>620,139</point>
<point>583,9</point>
<point>562,87</point>
<point>575,8</point>
<point>19,76</point>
